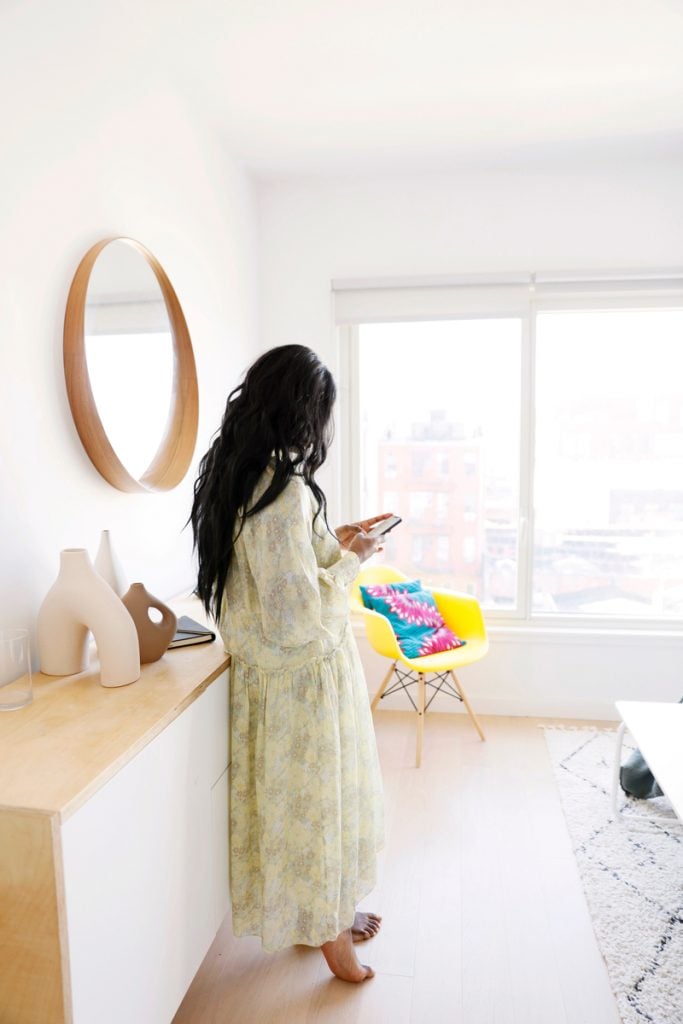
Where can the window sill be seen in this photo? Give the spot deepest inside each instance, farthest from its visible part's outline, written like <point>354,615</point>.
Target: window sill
<point>569,635</point>
<point>604,636</point>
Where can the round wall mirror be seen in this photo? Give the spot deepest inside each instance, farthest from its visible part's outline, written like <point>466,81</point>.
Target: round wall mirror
<point>129,368</point>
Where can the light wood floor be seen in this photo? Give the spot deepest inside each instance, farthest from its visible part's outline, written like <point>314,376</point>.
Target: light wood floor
<point>484,919</point>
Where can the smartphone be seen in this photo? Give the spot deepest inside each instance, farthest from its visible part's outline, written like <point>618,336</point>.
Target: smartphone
<point>387,524</point>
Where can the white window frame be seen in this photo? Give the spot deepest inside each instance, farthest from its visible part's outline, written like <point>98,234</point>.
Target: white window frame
<point>499,296</point>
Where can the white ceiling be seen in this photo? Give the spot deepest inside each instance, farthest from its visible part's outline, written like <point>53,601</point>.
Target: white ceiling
<point>302,86</point>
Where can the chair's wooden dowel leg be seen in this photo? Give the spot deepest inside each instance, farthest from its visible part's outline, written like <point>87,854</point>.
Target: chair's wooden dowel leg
<point>420,717</point>
<point>385,682</point>
<point>470,712</point>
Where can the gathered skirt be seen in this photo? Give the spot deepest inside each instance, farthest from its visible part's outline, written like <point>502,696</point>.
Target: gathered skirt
<point>306,803</point>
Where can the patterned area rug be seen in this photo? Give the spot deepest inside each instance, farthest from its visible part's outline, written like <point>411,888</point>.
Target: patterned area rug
<point>632,876</point>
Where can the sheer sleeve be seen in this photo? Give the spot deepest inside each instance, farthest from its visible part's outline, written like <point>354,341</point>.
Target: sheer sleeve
<point>301,602</point>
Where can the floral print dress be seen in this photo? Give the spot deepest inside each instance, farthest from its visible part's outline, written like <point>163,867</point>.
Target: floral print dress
<point>306,805</point>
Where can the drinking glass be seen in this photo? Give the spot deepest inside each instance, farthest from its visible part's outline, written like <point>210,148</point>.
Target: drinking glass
<point>16,685</point>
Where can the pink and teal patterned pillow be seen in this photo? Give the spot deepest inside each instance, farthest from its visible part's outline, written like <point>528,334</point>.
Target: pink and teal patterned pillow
<point>416,621</point>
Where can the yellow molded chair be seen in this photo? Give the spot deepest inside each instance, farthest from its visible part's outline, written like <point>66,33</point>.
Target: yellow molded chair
<point>461,613</point>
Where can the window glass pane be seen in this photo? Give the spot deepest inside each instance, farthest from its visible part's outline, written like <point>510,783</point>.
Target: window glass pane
<point>609,463</point>
<point>439,428</point>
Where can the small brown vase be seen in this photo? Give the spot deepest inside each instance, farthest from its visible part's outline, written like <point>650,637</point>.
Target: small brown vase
<point>153,637</point>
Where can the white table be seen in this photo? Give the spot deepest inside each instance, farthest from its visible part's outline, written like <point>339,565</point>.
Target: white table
<point>657,729</point>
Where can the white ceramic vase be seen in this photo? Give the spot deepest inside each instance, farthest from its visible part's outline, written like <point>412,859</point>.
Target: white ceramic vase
<point>109,567</point>
<point>79,601</point>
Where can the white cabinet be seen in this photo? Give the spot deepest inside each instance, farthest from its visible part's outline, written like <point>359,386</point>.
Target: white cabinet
<point>113,840</point>
<point>146,871</point>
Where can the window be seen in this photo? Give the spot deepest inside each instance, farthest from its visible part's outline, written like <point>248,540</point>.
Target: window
<point>443,549</point>
<point>608,484</point>
<point>420,463</point>
<point>418,505</point>
<point>542,443</point>
<point>456,412</point>
<point>469,549</point>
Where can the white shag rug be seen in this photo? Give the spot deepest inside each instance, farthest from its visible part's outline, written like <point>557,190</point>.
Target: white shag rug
<point>632,875</point>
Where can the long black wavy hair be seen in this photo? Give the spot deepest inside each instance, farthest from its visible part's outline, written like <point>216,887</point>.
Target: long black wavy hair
<point>283,411</point>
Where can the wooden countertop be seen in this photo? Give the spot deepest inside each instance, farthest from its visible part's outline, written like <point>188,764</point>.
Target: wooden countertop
<point>76,734</point>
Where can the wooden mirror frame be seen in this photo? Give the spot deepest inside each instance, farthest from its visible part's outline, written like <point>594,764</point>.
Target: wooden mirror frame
<point>173,456</point>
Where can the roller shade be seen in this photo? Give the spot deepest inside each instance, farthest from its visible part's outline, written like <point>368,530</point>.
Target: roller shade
<point>385,299</point>
<point>138,316</point>
<point>574,291</point>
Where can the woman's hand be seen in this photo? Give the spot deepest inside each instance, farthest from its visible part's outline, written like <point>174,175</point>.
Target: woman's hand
<point>365,546</point>
<point>346,533</point>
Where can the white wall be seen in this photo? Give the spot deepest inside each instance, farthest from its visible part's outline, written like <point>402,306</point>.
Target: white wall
<point>97,142</point>
<point>618,213</point>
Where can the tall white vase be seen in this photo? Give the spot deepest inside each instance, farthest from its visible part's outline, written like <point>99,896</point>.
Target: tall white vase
<point>80,600</point>
<point>109,567</point>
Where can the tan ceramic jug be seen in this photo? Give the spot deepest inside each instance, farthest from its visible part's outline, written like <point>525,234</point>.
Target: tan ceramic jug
<point>154,637</point>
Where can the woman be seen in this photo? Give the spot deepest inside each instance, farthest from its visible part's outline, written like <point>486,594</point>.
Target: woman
<point>305,792</point>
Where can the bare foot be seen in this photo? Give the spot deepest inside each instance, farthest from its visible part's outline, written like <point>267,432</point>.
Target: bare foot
<point>365,926</point>
<point>342,960</point>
